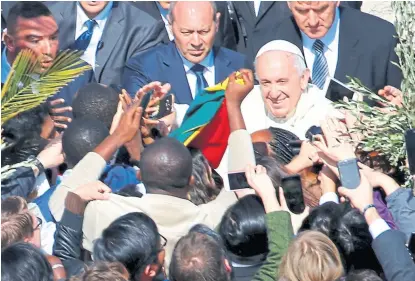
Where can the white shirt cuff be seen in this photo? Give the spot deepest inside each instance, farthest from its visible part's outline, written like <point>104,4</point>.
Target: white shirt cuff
<point>378,227</point>
<point>329,197</point>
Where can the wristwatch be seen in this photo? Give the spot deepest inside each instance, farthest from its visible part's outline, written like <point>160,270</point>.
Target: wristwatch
<point>35,162</point>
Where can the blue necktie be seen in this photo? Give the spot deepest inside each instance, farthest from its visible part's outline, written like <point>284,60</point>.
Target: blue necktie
<point>201,82</point>
<point>85,38</point>
<point>320,67</point>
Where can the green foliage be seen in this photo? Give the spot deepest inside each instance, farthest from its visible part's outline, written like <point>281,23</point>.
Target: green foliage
<point>383,132</point>
<point>24,89</point>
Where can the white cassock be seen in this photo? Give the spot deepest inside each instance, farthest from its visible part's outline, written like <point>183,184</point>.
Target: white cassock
<point>312,108</point>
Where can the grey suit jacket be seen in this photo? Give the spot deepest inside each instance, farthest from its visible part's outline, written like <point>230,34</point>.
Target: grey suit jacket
<point>128,31</point>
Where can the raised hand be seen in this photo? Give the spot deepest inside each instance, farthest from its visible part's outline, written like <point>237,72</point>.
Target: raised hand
<point>129,123</point>
<point>392,94</point>
<point>55,113</point>
<point>95,190</point>
<point>52,155</point>
<point>235,92</point>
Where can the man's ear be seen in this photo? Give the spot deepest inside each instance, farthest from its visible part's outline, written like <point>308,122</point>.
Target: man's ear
<point>191,180</point>
<point>304,79</point>
<point>9,42</point>
<point>217,21</point>
<point>289,3</point>
<point>338,4</point>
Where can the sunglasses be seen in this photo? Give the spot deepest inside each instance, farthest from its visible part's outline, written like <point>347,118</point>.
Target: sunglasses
<point>39,223</point>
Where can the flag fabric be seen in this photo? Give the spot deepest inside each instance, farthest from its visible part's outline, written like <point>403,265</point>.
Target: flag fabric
<point>206,124</point>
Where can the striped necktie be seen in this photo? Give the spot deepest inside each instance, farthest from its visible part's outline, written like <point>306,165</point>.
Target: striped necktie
<point>201,82</point>
<point>85,38</point>
<point>320,67</point>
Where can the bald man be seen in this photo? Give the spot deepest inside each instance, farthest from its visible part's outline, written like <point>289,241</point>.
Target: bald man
<point>189,63</point>
<point>284,99</point>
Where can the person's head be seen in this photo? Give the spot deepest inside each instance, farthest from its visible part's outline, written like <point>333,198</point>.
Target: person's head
<point>93,8</point>
<point>166,164</point>
<point>82,136</point>
<point>243,230</point>
<point>314,18</point>
<point>96,101</point>
<point>282,74</point>
<point>347,228</point>
<point>103,271</point>
<point>27,134</point>
<point>22,262</point>
<point>194,26</point>
<point>362,275</point>
<point>199,257</point>
<point>30,25</point>
<point>203,189</point>
<point>134,241</point>
<point>18,224</point>
<point>311,256</point>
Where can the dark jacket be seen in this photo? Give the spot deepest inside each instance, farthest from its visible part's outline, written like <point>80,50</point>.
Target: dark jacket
<point>17,181</point>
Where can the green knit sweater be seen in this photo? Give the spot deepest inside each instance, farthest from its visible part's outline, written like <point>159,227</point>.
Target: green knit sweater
<point>280,233</point>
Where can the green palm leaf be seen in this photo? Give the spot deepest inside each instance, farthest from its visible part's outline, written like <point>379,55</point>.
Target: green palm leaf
<point>25,90</point>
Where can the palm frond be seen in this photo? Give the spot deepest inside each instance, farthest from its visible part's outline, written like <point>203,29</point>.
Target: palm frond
<point>24,89</point>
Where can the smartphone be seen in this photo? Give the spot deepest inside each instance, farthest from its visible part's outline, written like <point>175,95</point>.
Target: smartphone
<point>349,173</point>
<point>410,149</point>
<point>165,107</point>
<point>237,181</point>
<point>146,99</point>
<point>293,193</point>
<point>312,132</point>
<point>336,90</point>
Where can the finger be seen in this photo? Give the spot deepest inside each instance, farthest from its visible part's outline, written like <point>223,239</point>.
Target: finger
<point>60,125</point>
<point>61,119</point>
<point>137,115</point>
<point>101,196</point>
<point>232,78</point>
<point>344,191</point>
<point>61,110</point>
<point>56,102</point>
<point>283,202</point>
<point>364,167</point>
<point>103,188</point>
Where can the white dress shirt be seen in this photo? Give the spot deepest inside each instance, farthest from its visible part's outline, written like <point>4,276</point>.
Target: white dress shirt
<point>81,18</point>
<point>257,4</point>
<point>331,46</point>
<point>163,14</point>
<point>208,73</point>
<point>311,108</point>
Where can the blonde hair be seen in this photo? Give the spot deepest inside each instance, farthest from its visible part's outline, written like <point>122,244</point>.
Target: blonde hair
<point>311,256</point>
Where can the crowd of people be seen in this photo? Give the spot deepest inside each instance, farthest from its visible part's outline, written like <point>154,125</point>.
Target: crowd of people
<point>99,184</point>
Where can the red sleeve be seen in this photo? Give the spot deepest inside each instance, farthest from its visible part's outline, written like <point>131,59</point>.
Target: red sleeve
<point>213,139</point>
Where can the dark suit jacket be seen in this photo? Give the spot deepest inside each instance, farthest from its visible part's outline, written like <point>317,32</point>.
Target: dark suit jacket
<point>366,48</point>
<point>225,36</point>
<point>163,63</point>
<point>393,256</point>
<point>128,31</point>
<point>251,28</point>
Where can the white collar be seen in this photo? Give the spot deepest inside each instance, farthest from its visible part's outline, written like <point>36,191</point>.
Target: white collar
<point>305,103</point>
<point>329,39</point>
<point>101,18</point>
<point>207,62</point>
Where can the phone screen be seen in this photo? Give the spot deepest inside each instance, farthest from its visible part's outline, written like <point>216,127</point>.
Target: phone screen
<point>337,90</point>
<point>293,193</point>
<point>146,100</point>
<point>237,181</point>
<point>410,149</point>
<point>349,173</point>
<point>165,107</point>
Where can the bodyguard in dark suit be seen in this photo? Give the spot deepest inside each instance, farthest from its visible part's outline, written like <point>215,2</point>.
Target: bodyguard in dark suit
<point>225,36</point>
<point>253,22</point>
<point>190,63</point>
<point>30,25</point>
<point>340,42</point>
<point>119,31</point>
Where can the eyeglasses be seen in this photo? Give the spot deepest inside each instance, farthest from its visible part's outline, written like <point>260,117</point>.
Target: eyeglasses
<point>163,241</point>
<point>39,223</point>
